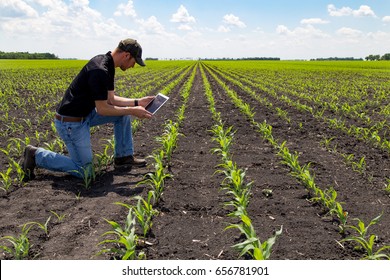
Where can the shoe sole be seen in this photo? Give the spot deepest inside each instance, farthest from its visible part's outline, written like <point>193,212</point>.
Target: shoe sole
<point>28,175</point>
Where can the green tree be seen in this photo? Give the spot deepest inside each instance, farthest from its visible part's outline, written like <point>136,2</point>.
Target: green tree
<point>386,56</point>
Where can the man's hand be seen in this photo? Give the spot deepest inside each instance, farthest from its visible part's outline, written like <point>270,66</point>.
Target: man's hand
<point>145,100</point>
<point>141,113</point>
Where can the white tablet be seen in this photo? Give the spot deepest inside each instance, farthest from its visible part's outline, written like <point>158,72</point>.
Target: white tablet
<point>156,103</point>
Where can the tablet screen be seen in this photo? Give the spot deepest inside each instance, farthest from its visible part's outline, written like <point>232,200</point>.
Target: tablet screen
<point>156,103</point>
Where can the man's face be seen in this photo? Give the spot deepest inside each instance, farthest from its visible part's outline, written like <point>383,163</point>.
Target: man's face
<point>128,62</point>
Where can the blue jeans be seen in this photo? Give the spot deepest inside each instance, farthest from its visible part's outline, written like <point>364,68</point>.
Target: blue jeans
<point>77,138</point>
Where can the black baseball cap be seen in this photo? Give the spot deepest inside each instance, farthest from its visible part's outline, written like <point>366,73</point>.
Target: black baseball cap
<point>134,48</point>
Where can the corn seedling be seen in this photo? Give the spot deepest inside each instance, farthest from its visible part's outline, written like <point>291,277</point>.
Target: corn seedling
<point>20,245</point>
<point>366,243</point>
<point>169,139</point>
<point>143,211</point>
<point>359,166</point>
<point>361,228</point>
<point>342,215</point>
<point>224,139</point>
<point>387,186</point>
<point>326,142</point>
<point>125,241</point>
<point>87,174</point>
<point>19,171</point>
<point>58,216</point>
<point>252,245</point>
<point>156,179</point>
<point>6,180</point>
<point>44,226</point>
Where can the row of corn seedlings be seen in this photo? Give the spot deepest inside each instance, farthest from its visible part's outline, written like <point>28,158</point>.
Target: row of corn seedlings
<point>350,98</point>
<point>358,166</point>
<point>370,134</point>
<point>235,186</point>
<point>126,241</point>
<point>326,198</point>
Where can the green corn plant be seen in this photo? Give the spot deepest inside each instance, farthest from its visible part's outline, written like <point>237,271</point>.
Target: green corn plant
<point>234,177</point>
<point>143,211</point>
<point>156,179</point>
<point>361,229</point>
<point>88,175</point>
<point>18,170</point>
<point>387,185</point>
<point>252,245</point>
<point>59,217</point>
<point>291,160</point>
<point>283,114</point>
<point>169,139</point>
<point>20,245</point>
<point>342,215</point>
<point>44,226</point>
<point>365,242</point>
<point>101,162</point>
<point>125,241</point>
<point>16,146</point>
<point>367,245</point>
<point>240,200</point>
<point>326,143</point>
<point>359,166</point>
<point>224,138</point>
<point>266,131</point>
<point>6,180</point>
<point>51,146</point>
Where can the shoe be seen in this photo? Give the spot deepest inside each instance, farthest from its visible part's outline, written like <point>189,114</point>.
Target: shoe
<point>29,162</point>
<point>129,161</point>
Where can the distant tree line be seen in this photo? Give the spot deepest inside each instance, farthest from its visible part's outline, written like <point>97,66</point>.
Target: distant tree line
<point>243,58</point>
<point>26,55</point>
<point>336,58</point>
<point>386,56</point>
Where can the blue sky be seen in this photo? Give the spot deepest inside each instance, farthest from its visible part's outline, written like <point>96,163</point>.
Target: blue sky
<point>198,28</point>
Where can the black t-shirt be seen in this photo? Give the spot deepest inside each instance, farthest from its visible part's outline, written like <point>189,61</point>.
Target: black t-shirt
<point>92,83</point>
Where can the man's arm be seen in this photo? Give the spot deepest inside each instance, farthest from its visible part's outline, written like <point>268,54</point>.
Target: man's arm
<point>126,102</point>
<point>120,106</point>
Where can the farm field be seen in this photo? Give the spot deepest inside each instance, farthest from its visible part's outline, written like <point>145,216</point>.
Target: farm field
<point>294,150</point>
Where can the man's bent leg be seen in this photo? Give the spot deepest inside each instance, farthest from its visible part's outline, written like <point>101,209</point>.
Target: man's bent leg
<point>78,141</point>
<point>122,132</point>
<point>123,139</point>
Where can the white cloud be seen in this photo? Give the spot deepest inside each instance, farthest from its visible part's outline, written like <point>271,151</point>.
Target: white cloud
<point>152,26</point>
<point>363,11</point>
<point>386,19</point>
<point>233,20</point>
<point>182,16</point>
<point>283,30</point>
<point>126,9</point>
<point>301,32</point>
<point>349,32</point>
<point>12,8</point>
<point>313,21</point>
<point>185,27</point>
<point>223,29</point>
<point>59,21</point>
